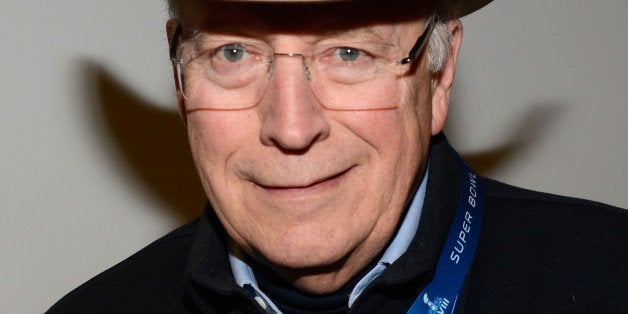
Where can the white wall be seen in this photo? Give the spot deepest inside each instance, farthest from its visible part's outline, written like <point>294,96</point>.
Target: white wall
<point>94,164</point>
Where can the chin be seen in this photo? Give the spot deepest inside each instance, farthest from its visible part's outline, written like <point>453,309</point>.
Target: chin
<point>294,250</point>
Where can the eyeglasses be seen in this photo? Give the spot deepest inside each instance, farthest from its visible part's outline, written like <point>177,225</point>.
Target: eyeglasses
<point>215,73</point>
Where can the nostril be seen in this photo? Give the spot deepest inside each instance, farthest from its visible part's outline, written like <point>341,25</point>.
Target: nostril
<point>294,126</point>
<point>293,149</point>
<point>295,141</point>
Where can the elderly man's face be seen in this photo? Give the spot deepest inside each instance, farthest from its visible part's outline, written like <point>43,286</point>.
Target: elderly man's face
<point>299,186</point>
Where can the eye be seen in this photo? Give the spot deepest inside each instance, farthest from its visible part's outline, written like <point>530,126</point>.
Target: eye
<point>348,54</point>
<point>232,52</point>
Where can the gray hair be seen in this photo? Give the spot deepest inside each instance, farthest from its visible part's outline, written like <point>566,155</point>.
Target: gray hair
<point>438,48</point>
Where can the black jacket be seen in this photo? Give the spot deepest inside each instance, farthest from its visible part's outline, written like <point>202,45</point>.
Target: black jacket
<point>537,253</point>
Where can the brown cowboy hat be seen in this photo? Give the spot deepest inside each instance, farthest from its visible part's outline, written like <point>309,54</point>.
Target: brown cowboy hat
<point>456,8</point>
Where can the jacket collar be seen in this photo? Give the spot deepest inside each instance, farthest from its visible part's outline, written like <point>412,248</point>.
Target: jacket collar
<point>439,208</point>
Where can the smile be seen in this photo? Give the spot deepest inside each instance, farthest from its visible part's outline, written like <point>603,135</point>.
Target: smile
<point>313,187</point>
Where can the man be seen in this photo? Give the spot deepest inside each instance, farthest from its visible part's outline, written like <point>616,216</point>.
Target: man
<point>316,131</point>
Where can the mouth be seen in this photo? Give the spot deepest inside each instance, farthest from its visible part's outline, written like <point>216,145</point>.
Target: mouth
<point>320,184</point>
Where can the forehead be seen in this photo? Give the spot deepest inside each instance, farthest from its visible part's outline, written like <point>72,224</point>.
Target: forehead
<point>300,18</point>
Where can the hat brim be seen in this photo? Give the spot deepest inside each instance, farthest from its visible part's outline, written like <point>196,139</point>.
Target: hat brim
<point>455,8</point>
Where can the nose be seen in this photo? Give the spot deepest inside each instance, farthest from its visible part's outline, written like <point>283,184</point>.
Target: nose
<point>292,118</point>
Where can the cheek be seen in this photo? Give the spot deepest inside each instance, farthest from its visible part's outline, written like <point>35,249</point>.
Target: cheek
<point>214,139</point>
<point>393,137</point>
<point>216,135</point>
<point>378,128</point>
<point>417,112</point>
<point>400,138</point>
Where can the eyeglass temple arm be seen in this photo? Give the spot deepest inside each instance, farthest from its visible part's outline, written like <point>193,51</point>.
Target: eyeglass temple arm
<point>420,43</point>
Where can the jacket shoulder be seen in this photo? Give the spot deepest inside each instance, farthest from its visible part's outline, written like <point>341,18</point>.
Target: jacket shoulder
<point>505,192</point>
<point>549,253</point>
<point>150,278</point>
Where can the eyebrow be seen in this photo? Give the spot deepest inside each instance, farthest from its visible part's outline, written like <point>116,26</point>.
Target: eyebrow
<point>369,34</point>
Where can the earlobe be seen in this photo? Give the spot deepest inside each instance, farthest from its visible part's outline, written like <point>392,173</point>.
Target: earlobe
<point>442,81</point>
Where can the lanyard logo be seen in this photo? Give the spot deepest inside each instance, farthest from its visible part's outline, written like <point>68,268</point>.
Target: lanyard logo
<point>438,306</point>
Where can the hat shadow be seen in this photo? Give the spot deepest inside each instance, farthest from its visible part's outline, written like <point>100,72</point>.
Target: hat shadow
<point>519,142</point>
<point>149,142</point>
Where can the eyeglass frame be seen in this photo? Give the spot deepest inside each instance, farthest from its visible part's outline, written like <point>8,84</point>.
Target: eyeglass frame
<point>414,54</point>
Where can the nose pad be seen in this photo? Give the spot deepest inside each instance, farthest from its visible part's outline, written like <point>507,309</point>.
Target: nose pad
<point>306,62</point>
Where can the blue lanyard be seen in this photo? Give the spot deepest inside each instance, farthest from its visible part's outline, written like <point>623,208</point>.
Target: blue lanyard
<point>441,294</point>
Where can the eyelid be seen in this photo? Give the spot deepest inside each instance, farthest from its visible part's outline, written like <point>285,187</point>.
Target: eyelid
<point>230,46</point>
<point>354,44</point>
<point>378,50</point>
<point>225,38</point>
<point>211,48</point>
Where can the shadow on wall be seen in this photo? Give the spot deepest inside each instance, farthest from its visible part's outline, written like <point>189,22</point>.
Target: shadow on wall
<point>151,142</point>
<point>519,141</point>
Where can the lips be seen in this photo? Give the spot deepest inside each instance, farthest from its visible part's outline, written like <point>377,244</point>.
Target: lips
<point>322,181</point>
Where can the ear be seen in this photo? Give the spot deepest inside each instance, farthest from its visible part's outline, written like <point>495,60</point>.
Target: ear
<point>443,80</point>
<point>171,27</point>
